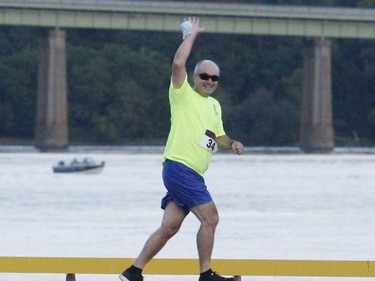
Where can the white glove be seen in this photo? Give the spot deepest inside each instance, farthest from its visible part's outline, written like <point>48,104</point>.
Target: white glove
<point>185,28</point>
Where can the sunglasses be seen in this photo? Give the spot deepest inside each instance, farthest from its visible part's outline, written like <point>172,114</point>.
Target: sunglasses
<point>205,76</point>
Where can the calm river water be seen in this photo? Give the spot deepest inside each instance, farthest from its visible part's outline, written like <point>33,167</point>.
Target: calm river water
<point>273,204</point>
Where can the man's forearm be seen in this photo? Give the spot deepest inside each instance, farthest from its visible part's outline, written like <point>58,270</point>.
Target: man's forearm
<point>224,142</point>
<point>183,52</point>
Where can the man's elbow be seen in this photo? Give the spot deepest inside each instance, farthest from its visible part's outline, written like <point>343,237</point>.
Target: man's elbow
<point>178,64</point>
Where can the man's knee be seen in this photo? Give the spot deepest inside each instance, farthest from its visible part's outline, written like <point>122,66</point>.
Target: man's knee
<point>172,220</point>
<point>212,219</point>
<point>170,230</point>
<point>207,214</point>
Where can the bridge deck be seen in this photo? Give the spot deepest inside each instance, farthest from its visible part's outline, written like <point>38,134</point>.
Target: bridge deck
<point>167,15</point>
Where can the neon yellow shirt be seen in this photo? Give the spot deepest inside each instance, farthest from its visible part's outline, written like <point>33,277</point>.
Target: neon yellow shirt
<point>191,115</point>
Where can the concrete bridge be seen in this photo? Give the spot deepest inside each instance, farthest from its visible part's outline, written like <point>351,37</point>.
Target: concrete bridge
<point>318,25</point>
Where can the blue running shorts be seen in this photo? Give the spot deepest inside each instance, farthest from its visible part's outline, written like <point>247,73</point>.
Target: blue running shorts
<point>184,186</point>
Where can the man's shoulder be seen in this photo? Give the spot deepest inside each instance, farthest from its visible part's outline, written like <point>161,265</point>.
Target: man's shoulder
<point>185,84</point>
<point>181,93</point>
<point>214,100</point>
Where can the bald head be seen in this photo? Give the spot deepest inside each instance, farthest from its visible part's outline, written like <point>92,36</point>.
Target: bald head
<point>206,66</point>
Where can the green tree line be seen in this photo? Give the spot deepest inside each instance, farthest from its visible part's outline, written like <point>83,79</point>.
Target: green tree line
<point>118,83</point>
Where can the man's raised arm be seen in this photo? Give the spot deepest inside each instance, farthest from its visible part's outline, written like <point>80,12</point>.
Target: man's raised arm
<point>190,30</point>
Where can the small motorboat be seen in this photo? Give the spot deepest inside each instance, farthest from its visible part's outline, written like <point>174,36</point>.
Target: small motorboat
<point>87,165</point>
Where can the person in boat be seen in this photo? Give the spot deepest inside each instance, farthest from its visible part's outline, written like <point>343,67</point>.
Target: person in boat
<point>196,132</point>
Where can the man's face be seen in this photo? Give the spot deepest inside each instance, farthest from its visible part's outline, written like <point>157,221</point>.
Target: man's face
<point>206,79</point>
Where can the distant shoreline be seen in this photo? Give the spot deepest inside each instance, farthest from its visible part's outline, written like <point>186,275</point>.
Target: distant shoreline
<point>159,149</point>
<point>19,144</point>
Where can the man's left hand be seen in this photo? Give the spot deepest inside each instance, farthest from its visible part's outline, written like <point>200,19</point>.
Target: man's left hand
<point>237,147</point>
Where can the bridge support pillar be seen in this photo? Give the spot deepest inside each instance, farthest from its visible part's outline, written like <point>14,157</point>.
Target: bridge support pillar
<point>316,131</point>
<point>51,116</point>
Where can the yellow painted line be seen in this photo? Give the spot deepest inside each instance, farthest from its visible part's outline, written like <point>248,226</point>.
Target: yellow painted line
<point>63,265</point>
<point>296,268</point>
<point>242,267</point>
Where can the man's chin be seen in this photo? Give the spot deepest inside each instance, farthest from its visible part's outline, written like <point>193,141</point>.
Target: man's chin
<point>208,92</point>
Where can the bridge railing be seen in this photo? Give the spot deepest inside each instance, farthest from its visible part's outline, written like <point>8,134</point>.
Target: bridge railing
<point>70,266</point>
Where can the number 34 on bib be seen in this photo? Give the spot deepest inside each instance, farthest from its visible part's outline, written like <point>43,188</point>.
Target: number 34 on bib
<point>208,141</point>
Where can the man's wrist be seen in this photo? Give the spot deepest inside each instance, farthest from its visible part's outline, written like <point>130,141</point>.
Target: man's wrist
<point>192,35</point>
<point>231,143</point>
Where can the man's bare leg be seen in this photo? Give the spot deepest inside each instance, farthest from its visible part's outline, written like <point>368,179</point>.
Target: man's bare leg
<point>171,223</point>
<point>209,218</point>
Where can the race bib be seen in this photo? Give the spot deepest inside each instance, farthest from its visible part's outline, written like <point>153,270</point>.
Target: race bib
<point>208,141</point>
